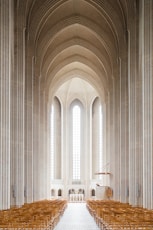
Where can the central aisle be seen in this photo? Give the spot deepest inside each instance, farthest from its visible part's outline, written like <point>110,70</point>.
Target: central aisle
<point>76,217</point>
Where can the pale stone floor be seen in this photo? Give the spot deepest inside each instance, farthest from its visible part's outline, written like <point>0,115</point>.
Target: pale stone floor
<point>76,217</point>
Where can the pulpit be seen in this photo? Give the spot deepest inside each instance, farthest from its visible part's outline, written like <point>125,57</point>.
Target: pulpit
<point>103,192</point>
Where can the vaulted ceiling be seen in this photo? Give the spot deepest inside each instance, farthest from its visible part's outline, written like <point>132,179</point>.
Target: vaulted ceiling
<point>77,38</point>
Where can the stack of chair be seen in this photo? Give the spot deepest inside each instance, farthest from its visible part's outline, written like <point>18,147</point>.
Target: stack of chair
<point>38,215</point>
<point>115,215</point>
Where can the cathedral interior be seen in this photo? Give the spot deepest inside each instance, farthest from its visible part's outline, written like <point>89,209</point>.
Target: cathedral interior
<point>76,100</point>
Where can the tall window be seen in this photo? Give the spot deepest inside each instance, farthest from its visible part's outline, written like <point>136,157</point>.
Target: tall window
<point>100,140</point>
<point>76,136</point>
<point>55,139</point>
<point>97,138</point>
<point>52,142</point>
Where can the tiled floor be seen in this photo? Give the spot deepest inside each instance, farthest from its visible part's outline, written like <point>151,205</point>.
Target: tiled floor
<point>76,217</point>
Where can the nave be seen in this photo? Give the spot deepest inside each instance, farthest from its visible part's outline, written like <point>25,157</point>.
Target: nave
<point>76,217</point>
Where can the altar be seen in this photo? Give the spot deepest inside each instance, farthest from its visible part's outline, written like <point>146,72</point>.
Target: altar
<point>76,197</point>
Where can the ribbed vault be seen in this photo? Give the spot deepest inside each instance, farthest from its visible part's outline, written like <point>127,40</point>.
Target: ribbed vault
<point>79,33</point>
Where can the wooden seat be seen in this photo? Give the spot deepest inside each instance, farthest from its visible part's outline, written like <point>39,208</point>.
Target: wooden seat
<point>37,215</point>
<point>117,215</point>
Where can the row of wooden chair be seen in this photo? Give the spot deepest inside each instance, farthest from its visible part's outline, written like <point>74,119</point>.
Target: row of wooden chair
<point>38,215</point>
<point>114,215</point>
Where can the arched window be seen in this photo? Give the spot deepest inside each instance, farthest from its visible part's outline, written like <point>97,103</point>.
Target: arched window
<point>93,192</point>
<point>52,141</point>
<point>59,192</point>
<point>100,139</point>
<point>76,142</point>
<point>76,133</point>
<point>55,132</point>
<point>52,192</point>
<point>97,138</point>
